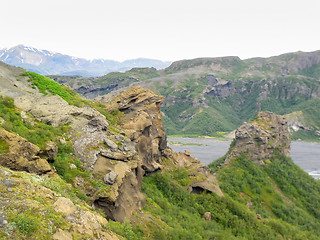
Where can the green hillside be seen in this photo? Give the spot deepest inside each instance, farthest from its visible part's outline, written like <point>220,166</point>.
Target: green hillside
<point>209,95</point>
<point>279,201</point>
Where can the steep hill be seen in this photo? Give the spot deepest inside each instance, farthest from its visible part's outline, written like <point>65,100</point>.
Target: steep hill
<point>46,62</point>
<point>71,168</point>
<point>206,96</point>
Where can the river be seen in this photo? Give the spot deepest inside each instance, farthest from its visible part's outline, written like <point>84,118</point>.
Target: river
<point>304,154</point>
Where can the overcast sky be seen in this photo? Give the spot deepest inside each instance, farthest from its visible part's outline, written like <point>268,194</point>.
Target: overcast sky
<point>166,29</point>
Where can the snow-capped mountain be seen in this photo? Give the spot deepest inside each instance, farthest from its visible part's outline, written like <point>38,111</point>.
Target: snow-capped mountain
<point>49,63</point>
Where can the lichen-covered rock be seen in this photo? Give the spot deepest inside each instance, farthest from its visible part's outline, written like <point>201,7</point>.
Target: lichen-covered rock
<point>110,177</point>
<point>22,155</point>
<point>111,144</point>
<point>260,138</point>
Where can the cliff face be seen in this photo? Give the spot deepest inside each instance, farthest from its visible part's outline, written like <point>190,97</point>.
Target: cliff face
<point>145,137</point>
<point>142,123</point>
<point>260,139</point>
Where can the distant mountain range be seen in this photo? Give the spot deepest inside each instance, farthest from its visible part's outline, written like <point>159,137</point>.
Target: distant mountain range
<point>47,62</point>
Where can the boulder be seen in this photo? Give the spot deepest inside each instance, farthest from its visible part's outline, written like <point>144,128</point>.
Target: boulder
<point>110,177</point>
<point>65,206</point>
<point>22,155</point>
<point>72,166</point>
<point>111,144</point>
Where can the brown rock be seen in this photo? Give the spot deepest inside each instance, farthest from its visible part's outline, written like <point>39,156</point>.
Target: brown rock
<point>261,137</point>
<point>39,166</point>
<point>142,123</point>
<point>187,153</point>
<point>62,235</point>
<point>22,155</point>
<point>50,152</point>
<point>110,177</point>
<point>65,206</point>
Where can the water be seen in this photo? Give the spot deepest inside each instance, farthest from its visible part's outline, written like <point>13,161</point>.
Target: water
<point>306,155</point>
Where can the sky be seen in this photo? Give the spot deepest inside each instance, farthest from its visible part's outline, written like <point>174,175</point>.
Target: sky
<point>167,30</point>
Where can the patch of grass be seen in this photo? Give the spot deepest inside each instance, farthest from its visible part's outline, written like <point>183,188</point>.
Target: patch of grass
<point>27,223</point>
<point>126,230</point>
<point>47,85</point>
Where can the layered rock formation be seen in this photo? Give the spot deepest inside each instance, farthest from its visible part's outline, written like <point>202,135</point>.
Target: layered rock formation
<point>260,139</point>
<point>142,123</point>
<point>21,155</point>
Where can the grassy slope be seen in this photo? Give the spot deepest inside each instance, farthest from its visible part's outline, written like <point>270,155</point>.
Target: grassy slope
<point>283,203</point>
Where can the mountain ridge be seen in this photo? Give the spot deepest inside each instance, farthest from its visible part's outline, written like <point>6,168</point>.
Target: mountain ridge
<point>46,62</point>
<point>220,93</point>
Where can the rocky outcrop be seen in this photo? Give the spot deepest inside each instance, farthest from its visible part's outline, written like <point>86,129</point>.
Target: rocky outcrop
<point>260,138</point>
<point>125,159</point>
<point>202,178</point>
<point>21,155</point>
<point>142,124</point>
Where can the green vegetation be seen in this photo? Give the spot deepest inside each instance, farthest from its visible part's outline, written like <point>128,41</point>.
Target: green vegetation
<point>308,136</point>
<point>229,112</point>
<point>280,193</point>
<point>46,85</point>
<point>279,201</point>
<point>313,71</point>
<point>26,222</point>
<point>125,230</point>
<point>30,213</point>
<point>37,133</point>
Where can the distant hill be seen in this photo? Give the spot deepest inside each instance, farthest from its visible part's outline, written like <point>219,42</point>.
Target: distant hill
<point>46,62</point>
<point>208,96</point>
